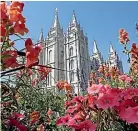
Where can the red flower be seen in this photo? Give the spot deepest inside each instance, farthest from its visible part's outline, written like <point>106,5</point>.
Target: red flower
<point>29,44</point>
<point>63,85</point>
<point>3,6</point>
<point>20,28</point>
<point>77,99</point>
<point>44,71</point>
<point>15,9</point>
<point>3,33</point>
<point>16,16</point>
<point>32,53</point>
<point>90,100</point>
<point>17,115</point>
<point>75,108</point>
<point>34,117</point>
<point>85,125</point>
<point>62,120</point>
<point>16,123</point>
<point>10,59</point>
<point>17,5</point>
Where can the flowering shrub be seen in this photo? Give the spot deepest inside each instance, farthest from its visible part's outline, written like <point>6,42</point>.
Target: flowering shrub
<point>111,101</point>
<point>21,101</point>
<point>101,101</point>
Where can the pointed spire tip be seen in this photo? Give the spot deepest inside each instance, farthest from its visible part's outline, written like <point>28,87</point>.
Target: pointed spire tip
<point>74,20</point>
<point>95,47</point>
<point>56,10</point>
<point>56,20</point>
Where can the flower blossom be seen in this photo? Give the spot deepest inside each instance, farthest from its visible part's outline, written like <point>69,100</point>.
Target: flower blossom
<point>107,101</point>
<point>130,114</point>
<point>123,36</point>
<point>125,78</point>
<point>10,59</point>
<point>94,88</point>
<point>32,53</point>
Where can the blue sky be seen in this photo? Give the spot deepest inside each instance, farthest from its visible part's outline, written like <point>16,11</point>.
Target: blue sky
<point>100,20</point>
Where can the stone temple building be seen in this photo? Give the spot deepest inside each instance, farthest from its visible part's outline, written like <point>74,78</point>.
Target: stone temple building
<point>68,54</point>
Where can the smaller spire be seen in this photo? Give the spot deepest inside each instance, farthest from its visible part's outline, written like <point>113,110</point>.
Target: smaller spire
<point>95,47</point>
<point>41,38</point>
<point>111,49</point>
<point>74,20</point>
<point>69,24</point>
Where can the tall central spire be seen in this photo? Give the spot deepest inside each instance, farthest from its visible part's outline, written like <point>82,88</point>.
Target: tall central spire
<point>74,20</point>
<point>95,47</point>
<point>56,20</point>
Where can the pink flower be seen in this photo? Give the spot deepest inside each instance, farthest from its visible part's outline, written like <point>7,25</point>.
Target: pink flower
<point>125,78</point>
<point>130,114</point>
<point>107,101</point>
<point>113,91</point>
<point>94,88</point>
<point>130,93</point>
<point>125,104</point>
<point>129,79</point>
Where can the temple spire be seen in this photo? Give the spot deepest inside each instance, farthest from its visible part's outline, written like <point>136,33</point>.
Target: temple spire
<point>56,20</point>
<point>74,20</point>
<point>111,49</point>
<point>95,47</point>
<point>41,38</point>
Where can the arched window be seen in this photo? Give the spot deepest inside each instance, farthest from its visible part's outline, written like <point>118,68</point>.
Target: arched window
<point>72,76</point>
<point>71,64</point>
<point>50,56</point>
<point>71,51</point>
